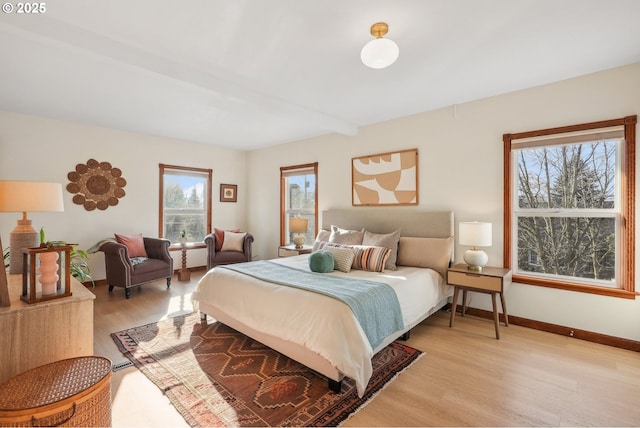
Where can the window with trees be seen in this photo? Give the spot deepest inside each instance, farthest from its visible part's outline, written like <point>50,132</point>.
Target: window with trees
<point>299,198</point>
<point>570,207</point>
<point>185,203</point>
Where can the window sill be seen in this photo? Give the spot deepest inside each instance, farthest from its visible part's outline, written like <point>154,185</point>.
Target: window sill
<point>188,246</point>
<point>603,291</point>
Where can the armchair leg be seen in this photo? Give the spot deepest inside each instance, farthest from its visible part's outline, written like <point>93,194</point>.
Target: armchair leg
<point>127,293</point>
<point>110,288</point>
<point>168,282</point>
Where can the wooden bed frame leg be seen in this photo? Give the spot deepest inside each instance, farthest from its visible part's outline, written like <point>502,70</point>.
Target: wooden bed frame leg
<point>335,386</point>
<point>203,316</point>
<point>406,335</point>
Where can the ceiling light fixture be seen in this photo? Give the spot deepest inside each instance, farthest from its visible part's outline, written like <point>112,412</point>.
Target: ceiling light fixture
<point>379,52</point>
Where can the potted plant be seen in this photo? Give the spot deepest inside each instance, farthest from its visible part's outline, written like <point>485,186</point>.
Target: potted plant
<point>183,237</point>
<point>80,266</point>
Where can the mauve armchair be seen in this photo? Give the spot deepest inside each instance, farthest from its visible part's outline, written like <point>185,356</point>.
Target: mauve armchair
<point>122,272</point>
<point>215,258</point>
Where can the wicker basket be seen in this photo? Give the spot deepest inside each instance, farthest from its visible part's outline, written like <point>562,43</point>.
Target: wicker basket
<point>73,392</point>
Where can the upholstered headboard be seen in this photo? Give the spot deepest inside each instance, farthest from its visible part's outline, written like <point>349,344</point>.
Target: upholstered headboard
<point>423,224</point>
<point>412,223</point>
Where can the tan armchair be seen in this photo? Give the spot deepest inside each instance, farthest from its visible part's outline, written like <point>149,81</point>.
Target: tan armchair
<point>215,258</point>
<point>122,272</point>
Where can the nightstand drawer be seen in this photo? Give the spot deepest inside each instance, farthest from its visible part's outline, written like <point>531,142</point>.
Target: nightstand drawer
<point>475,280</point>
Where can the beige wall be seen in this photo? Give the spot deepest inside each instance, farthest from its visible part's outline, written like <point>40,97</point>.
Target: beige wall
<point>460,168</point>
<point>38,149</point>
<point>460,161</point>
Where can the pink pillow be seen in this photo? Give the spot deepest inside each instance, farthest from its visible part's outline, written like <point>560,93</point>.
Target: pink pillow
<point>134,243</point>
<point>219,238</point>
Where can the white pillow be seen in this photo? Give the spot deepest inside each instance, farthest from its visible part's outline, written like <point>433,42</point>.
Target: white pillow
<point>233,241</point>
<point>342,258</point>
<point>345,236</point>
<point>323,237</point>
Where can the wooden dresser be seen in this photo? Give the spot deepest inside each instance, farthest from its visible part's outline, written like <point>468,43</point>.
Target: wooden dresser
<point>35,334</point>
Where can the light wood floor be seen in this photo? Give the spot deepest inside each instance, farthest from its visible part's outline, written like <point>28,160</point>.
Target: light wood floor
<point>465,378</point>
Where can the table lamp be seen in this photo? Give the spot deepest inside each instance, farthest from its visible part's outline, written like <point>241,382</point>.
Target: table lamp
<point>475,234</point>
<point>25,196</point>
<point>298,225</point>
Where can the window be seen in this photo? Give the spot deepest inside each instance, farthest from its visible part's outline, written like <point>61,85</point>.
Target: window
<point>299,198</point>
<point>185,203</point>
<point>569,207</point>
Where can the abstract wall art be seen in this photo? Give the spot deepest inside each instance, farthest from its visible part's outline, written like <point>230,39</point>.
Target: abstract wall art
<point>385,179</point>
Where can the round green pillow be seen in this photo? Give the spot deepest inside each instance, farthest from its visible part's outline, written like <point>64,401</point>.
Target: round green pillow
<point>321,261</point>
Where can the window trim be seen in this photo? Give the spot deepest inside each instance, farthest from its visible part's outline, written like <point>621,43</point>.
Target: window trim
<point>283,173</point>
<point>627,193</point>
<point>209,173</point>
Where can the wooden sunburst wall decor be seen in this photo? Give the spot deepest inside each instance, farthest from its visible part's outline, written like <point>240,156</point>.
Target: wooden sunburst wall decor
<point>96,185</point>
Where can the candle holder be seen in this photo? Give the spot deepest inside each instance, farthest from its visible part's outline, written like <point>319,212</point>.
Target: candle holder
<point>54,264</point>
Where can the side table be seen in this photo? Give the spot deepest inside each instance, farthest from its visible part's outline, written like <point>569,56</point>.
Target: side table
<point>491,280</point>
<point>291,249</point>
<point>184,274</point>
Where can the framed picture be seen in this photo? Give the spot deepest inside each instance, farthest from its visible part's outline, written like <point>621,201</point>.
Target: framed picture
<point>385,179</point>
<point>228,193</point>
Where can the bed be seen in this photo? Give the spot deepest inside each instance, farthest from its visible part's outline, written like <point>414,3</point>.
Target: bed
<point>319,331</point>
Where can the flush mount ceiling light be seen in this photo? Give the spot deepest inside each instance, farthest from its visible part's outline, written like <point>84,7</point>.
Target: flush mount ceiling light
<point>379,52</point>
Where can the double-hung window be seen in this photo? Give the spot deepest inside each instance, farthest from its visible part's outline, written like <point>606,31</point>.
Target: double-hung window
<point>569,207</point>
<point>185,203</point>
<point>299,198</point>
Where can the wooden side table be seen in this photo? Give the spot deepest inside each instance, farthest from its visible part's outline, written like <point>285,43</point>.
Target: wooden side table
<point>491,280</point>
<point>292,250</point>
<point>184,274</point>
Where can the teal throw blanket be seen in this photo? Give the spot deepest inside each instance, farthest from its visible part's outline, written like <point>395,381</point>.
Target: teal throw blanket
<point>374,304</point>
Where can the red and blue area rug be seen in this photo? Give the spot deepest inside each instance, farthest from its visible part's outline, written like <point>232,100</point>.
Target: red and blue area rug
<point>216,376</point>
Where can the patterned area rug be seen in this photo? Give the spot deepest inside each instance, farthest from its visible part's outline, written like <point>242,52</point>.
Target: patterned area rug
<point>216,376</point>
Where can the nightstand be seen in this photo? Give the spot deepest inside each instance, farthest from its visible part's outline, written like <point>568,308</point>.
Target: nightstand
<point>491,280</point>
<point>291,250</point>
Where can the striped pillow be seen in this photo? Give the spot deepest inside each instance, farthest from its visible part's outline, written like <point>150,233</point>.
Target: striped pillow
<point>370,258</point>
<point>366,257</point>
<point>342,257</point>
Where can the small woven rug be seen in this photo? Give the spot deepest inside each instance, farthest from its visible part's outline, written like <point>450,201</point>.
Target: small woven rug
<point>216,376</point>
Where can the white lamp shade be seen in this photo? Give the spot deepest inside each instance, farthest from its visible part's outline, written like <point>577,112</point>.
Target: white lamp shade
<point>379,53</point>
<point>475,234</point>
<point>30,196</point>
<point>27,196</point>
<point>298,225</point>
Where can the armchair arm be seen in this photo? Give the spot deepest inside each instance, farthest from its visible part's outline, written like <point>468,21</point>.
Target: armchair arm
<point>158,248</point>
<point>248,240</point>
<point>116,252</point>
<point>117,263</point>
<point>210,240</point>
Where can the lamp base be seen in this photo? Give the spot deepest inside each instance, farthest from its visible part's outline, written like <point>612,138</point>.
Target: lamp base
<point>476,259</point>
<point>299,240</point>
<point>23,236</point>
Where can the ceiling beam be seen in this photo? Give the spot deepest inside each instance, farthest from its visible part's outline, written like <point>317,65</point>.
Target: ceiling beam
<point>220,82</point>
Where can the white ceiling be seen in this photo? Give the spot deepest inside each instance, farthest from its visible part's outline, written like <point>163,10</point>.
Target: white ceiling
<point>247,74</point>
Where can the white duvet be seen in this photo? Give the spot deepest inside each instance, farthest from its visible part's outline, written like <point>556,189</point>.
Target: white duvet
<point>320,323</point>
